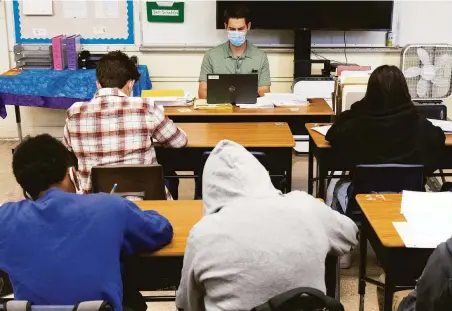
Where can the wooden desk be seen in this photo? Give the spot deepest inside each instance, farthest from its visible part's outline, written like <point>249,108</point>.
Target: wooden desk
<point>207,135</point>
<point>329,161</point>
<point>402,265</point>
<point>296,117</point>
<point>273,138</point>
<point>166,263</point>
<point>183,215</point>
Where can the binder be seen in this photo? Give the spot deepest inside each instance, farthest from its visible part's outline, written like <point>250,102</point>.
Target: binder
<point>59,52</point>
<point>73,49</point>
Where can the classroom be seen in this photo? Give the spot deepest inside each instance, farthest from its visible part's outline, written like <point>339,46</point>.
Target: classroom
<point>236,155</point>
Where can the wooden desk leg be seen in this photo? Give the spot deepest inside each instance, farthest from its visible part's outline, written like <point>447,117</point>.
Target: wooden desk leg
<point>322,179</point>
<point>362,268</point>
<point>311,166</point>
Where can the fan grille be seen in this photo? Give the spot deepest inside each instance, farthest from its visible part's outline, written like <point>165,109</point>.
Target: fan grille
<point>410,59</point>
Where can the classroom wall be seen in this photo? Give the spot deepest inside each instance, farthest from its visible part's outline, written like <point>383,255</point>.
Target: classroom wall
<point>167,70</point>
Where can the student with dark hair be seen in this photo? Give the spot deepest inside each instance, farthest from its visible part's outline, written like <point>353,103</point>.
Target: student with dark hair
<point>384,128</point>
<point>114,128</point>
<point>237,55</point>
<point>60,247</point>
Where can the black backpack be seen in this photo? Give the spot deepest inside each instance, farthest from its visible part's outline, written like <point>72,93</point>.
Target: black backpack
<point>301,299</point>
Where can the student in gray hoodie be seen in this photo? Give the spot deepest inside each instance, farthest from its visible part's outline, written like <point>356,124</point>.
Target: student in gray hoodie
<point>254,242</point>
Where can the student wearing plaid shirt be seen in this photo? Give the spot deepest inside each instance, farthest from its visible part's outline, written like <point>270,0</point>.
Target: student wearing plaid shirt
<point>114,128</point>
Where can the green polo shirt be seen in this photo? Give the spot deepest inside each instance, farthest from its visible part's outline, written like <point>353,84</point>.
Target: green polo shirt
<point>220,60</point>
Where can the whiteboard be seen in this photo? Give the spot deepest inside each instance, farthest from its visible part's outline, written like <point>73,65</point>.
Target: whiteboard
<point>96,26</point>
<point>199,30</point>
<point>424,22</point>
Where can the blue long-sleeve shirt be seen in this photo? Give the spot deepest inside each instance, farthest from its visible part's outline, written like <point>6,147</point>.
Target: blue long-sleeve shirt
<point>65,248</point>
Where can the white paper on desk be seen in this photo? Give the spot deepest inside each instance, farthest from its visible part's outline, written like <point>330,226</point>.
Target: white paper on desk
<point>106,8</point>
<point>322,129</point>
<point>427,209</point>
<point>286,99</point>
<point>262,102</point>
<point>417,237</point>
<point>173,101</point>
<point>446,126</point>
<point>74,9</point>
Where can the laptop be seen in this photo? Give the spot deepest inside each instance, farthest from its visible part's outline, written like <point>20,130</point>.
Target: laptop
<point>232,89</point>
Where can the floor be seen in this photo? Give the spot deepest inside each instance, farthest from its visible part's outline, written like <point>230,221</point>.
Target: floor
<point>10,191</point>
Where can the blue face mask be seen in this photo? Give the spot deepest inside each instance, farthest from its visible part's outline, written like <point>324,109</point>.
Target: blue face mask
<point>237,38</point>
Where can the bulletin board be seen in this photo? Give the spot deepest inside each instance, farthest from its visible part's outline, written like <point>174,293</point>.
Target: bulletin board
<point>98,22</point>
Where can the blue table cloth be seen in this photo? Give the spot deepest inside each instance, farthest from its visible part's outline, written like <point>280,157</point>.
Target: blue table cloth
<point>56,89</point>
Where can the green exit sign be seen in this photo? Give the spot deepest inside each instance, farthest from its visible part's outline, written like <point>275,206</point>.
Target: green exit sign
<point>165,12</point>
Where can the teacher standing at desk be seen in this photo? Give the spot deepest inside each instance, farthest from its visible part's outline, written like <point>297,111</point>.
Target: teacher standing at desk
<point>237,55</point>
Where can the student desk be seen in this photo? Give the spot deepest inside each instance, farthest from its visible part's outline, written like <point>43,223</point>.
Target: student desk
<point>329,160</point>
<point>166,263</point>
<point>402,265</point>
<point>274,139</point>
<point>296,117</point>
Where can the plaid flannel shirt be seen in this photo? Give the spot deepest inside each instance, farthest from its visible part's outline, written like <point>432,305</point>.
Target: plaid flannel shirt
<point>116,129</point>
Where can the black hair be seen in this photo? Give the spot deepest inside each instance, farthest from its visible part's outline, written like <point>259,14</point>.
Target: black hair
<point>387,88</point>
<point>115,69</point>
<point>41,161</point>
<point>237,10</point>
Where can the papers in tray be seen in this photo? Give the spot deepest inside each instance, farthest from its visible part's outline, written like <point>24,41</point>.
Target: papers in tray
<point>446,126</point>
<point>322,129</point>
<point>428,217</point>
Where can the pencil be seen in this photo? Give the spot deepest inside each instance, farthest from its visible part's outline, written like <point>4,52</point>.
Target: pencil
<point>113,189</point>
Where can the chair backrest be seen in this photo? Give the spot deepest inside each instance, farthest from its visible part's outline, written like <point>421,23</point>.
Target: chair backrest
<point>23,305</point>
<point>384,178</point>
<point>432,111</point>
<point>144,181</point>
<point>301,299</point>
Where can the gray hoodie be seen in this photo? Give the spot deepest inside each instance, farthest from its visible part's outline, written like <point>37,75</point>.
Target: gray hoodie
<point>254,242</point>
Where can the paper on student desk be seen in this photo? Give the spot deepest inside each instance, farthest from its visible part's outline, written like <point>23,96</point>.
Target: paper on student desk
<point>415,237</point>
<point>322,129</point>
<point>446,126</point>
<point>427,208</point>
<point>428,217</point>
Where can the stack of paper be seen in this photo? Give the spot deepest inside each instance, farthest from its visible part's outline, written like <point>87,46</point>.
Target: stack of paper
<point>286,99</point>
<point>428,218</point>
<point>173,101</point>
<point>262,102</point>
<point>201,104</point>
<point>446,126</point>
<point>322,129</point>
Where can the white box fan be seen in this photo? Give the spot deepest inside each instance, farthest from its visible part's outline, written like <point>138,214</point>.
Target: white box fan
<point>428,71</point>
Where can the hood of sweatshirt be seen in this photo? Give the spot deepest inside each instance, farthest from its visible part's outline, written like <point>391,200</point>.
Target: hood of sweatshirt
<point>232,173</point>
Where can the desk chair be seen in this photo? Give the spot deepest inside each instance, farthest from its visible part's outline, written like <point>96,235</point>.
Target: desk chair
<point>22,305</point>
<point>301,299</point>
<point>144,181</point>
<point>381,178</point>
<point>260,156</point>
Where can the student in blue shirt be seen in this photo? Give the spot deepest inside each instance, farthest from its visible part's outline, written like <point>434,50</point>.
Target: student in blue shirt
<point>60,247</point>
